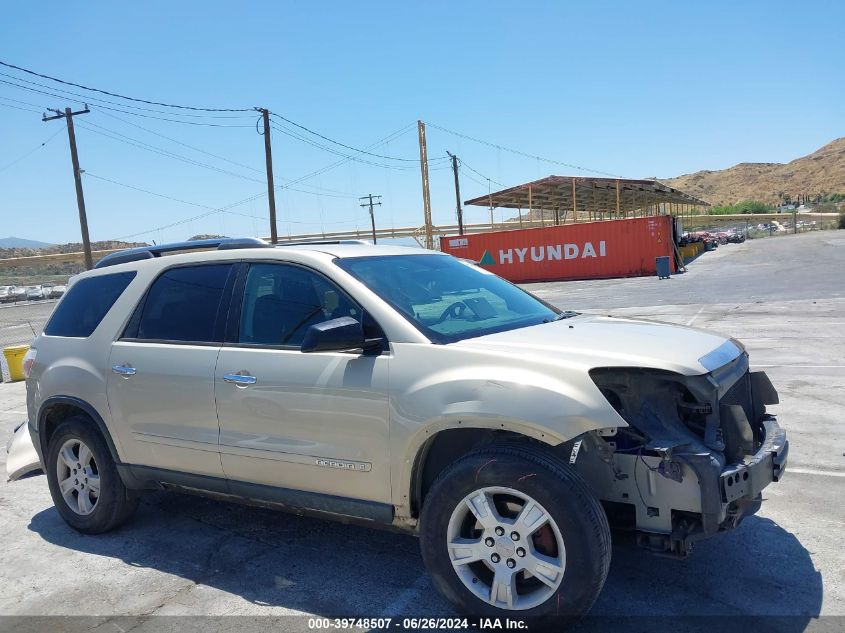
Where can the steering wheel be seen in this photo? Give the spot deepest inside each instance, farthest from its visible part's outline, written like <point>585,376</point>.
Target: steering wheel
<point>454,311</point>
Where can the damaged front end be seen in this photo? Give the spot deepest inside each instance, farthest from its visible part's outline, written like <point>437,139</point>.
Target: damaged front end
<point>695,457</point>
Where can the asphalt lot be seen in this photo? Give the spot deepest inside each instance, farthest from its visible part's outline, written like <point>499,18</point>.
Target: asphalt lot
<point>784,298</point>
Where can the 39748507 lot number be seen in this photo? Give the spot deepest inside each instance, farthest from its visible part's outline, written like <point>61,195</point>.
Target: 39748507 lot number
<point>388,623</point>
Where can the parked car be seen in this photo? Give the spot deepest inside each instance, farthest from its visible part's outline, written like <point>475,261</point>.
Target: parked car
<point>35,293</point>
<point>392,386</point>
<point>6,294</point>
<point>19,293</point>
<point>736,238</point>
<point>57,291</point>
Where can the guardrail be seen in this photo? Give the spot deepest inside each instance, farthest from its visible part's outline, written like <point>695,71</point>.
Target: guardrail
<point>418,232</point>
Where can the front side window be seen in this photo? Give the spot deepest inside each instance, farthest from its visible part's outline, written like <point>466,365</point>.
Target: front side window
<point>85,305</point>
<point>447,299</point>
<point>281,302</point>
<point>183,305</point>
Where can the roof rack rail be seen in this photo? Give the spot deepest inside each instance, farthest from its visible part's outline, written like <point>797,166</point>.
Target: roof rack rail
<point>308,242</point>
<point>149,252</point>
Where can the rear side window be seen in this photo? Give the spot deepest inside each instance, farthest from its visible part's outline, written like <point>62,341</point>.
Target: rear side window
<point>86,303</point>
<point>183,305</point>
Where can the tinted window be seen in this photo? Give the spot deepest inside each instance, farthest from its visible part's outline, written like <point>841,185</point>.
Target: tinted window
<point>281,302</point>
<point>85,305</point>
<point>183,305</point>
<point>447,299</point>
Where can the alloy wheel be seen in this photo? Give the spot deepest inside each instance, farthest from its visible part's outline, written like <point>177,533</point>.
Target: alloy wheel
<point>78,477</point>
<point>506,548</point>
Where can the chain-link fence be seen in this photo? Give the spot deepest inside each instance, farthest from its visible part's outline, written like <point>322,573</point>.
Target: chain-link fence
<point>20,323</point>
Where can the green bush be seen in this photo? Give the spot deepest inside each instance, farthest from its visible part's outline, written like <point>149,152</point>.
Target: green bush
<point>743,207</point>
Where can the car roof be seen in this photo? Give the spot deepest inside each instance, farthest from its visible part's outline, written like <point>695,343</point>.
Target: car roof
<point>320,250</point>
<point>348,250</point>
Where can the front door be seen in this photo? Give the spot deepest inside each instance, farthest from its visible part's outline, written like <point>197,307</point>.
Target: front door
<point>161,383</point>
<point>315,422</point>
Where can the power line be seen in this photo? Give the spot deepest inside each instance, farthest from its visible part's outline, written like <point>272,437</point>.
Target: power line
<point>211,210</point>
<point>117,136</point>
<point>14,107</point>
<point>146,116</point>
<point>35,105</point>
<point>520,153</point>
<point>32,151</point>
<point>197,149</point>
<point>173,140</point>
<point>467,165</point>
<point>330,150</point>
<point>120,96</point>
<point>152,193</point>
<point>387,139</point>
<point>354,149</point>
<point>92,99</point>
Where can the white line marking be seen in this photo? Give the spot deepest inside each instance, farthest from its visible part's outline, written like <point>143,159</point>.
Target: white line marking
<point>700,310</point>
<point>399,604</point>
<point>811,471</point>
<point>804,366</point>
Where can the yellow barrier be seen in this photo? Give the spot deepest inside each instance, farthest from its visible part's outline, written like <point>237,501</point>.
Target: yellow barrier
<point>689,251</point>
<point>14,358</point>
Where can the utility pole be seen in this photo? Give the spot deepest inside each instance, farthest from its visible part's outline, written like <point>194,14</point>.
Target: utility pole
<point>372,215</point>
<point>271,190</point>
<point>429,237</point>
<point>457,193</point>
<point>77,177</point>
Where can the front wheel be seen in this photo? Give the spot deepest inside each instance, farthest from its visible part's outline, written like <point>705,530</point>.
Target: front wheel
<point>513,531</point>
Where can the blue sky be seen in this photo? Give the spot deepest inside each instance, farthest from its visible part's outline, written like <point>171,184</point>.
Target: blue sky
<point>635,90</point>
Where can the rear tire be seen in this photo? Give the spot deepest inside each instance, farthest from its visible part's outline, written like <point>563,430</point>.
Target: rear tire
<point>543,550</point>
<point>84,483</point>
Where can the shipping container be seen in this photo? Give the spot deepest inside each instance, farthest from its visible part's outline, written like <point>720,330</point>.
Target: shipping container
<point>587,250</point>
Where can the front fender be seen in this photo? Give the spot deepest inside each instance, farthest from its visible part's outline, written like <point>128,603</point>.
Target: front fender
<point>473,389</point>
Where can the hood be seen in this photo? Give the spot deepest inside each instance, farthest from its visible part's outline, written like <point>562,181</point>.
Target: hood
<point>603,341</point>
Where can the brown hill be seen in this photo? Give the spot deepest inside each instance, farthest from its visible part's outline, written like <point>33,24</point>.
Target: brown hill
<point>822,172</point>
<point>54,272</point>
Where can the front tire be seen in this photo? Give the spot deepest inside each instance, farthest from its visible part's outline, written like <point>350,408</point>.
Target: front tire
<point>512,531</point>
<point>84,483</point>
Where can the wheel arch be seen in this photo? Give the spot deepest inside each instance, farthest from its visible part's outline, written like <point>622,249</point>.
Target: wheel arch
<point>56,409</point>
<point>440,444</point>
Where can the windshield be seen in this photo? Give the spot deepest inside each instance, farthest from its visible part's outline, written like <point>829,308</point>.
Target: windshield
<point>447,299</point>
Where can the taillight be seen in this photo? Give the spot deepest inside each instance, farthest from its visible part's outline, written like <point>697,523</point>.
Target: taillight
<point>29,361</point>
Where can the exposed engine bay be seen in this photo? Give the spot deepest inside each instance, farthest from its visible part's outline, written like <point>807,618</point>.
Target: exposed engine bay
<point>696,454</point>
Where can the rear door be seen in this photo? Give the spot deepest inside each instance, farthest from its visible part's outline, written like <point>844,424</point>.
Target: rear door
<point>161,383</point>
<point>315,422</point>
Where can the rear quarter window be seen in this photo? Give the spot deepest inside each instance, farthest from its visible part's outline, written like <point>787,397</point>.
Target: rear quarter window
<point>86,304</point>
<point>183,305</point>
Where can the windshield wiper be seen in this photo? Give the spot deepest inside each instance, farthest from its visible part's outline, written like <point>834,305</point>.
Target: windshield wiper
<point>566,314</point>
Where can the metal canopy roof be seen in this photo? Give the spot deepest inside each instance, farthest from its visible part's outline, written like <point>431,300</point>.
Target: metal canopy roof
<point>601,195</point>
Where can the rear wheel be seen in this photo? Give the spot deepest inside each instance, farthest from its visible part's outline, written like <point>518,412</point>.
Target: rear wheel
<point>84,483</point>
<point>513,531</point>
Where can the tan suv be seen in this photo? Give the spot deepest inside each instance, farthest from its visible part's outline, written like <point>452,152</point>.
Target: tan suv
<point>399,387</point>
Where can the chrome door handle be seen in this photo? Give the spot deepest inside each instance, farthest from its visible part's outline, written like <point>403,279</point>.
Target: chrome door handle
<point>124,370</point>
<point>240,379</point>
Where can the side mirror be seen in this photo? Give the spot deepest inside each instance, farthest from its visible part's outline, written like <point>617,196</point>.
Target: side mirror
<point>337,335</point>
